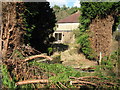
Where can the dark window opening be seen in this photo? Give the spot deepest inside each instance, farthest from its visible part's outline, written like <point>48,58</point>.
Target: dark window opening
<point>58,36</point>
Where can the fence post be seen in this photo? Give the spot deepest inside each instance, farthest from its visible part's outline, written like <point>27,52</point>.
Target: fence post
<point>100,59</point>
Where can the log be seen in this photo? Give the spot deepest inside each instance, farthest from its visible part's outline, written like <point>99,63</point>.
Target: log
<point>37,56</point>
<point>32,81</point>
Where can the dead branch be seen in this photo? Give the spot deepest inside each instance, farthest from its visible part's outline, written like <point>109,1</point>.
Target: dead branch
<point>87,77</point>
<point>82,82</point>
<point>37,56</point>
<point>62,85</point>
<point>32,81</point>
<point>57,85</point>
<point>110,83</point>
<point>89,68</point>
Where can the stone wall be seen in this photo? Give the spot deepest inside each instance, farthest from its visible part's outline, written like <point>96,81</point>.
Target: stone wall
<point>68,37</point>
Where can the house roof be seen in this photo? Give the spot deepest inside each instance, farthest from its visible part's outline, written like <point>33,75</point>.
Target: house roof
<point>74,18</point>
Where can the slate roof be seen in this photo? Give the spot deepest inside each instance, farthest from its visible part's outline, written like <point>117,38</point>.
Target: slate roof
<point>74,18</point>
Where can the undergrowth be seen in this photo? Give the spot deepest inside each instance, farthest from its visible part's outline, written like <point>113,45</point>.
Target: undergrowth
<point>59,73</point>
<point>108,70</point>
<point>6,81</point>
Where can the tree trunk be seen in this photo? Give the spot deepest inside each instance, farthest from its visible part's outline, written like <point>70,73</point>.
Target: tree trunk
<point>12,24</point>
<point>101,35</point>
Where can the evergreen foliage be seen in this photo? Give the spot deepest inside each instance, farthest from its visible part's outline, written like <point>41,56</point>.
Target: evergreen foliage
<point>40,20</point>
<point>62,73</point>
<point>6,81</point>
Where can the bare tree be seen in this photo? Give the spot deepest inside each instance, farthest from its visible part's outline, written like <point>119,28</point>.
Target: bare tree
<point>12,26</point>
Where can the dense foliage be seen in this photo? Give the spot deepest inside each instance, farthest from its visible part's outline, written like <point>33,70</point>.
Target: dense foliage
<point>90,11</point>
<point>40,20</point>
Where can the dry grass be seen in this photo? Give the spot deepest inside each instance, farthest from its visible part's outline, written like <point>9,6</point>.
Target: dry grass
<point>72,58</point>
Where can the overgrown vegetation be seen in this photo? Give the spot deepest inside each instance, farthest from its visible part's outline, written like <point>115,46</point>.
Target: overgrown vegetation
<point>19,70</point>
<point>90,11</point>
<point>60,76</point>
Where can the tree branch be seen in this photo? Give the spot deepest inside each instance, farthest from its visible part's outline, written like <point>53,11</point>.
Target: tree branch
<point>37,56</point>
<point>83,82</point>
<point>62,85</point>
<point>32,81</point>
<point>86,77</point>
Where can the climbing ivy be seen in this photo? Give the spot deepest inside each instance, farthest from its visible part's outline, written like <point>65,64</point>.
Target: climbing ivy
<point>89,11</point>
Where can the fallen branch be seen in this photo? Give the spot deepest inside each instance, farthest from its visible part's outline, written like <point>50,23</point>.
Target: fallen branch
<point>110,83</point>
<point>32,81</point>
<point>37,56</point>
<point>57,85</point>
<point>87,77</point>
<point>62,85</point>
<point>82,82</point>
<point>89,68</point>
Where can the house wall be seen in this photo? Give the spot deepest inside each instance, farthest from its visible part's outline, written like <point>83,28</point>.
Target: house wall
<point>67,26</point>
<point>67,32</point>
<point>68,37</point>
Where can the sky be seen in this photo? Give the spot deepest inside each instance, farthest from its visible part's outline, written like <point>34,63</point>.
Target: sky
<point>68,3</point>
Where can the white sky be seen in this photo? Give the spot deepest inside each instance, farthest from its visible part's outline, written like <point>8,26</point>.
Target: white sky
<point>69,3</point>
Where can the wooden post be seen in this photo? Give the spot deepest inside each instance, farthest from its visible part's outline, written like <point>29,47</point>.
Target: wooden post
<point>100,59</point>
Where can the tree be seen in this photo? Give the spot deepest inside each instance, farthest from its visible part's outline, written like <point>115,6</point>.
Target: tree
<point>73,10</point>
<point>94,14</point>
<point>64,7</point>
<point>56,8</point>
<point>12,27</point>
<point>40,20</point>
<point>62,12</point>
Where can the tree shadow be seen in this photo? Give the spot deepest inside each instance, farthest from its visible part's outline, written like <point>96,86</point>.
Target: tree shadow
<point>59,47</point>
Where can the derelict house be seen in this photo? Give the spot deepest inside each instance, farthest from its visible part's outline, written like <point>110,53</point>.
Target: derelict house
<point>65,27</point>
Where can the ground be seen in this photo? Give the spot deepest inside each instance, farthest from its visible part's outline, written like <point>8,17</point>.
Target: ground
<point>72,57</point>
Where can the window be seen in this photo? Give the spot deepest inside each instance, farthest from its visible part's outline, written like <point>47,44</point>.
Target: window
<point>58,36</point>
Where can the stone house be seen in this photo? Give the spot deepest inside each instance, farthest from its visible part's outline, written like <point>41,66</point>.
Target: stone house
<point>64,30</point>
